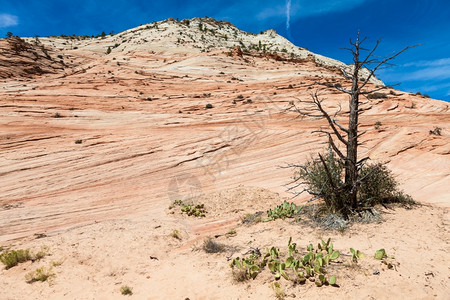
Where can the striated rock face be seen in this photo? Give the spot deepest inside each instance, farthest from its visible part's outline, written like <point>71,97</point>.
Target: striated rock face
<point>237,51</point>
<point>19,58</point>
<point>124,134</point>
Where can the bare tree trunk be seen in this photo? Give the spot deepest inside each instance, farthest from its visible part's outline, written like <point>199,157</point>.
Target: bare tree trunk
<point>351,171</point>
<point>348,137</point>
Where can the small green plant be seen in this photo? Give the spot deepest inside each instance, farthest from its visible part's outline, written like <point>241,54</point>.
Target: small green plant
<point>126,290</point>
<point>377,125</point>
<point>356,254</point>
<point>12,258</point>
<point>208,106</point>
<point>285,210</point>
<point>279,292</point>
<point>78,141</point>
<point>380,254</point>
<point>41,274</point>
<point>248,267</point>
<point>211,246</point>
<point>231,232</point>
<point>176,234</point>
<point>196,210</point>
<point>56,263</point>
<point>41,253</point>
<point>57,115</point>
<point>294,267</point>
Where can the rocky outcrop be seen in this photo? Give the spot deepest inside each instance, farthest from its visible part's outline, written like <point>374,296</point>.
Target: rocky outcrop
<point>19,58</point>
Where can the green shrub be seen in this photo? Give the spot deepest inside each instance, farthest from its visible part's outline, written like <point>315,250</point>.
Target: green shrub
<point>377,95</point>
<point>126,290</point>
<point>285,210</point>
<point>315,178</point>
<point>14,257</point>
<point>11,258</point>
<point>41,274</point>
<point>377,185</point>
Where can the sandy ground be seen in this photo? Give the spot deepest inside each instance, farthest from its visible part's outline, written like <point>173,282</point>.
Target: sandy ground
<point>96,260</point>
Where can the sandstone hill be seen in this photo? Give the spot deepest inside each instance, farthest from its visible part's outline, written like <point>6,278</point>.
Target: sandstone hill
<point>103,141</point>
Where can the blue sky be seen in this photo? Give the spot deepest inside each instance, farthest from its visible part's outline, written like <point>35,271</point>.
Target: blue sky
<point>322,26</point>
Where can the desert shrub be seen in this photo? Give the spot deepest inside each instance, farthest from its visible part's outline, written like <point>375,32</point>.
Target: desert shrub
<point>208,106</point>
<point>126,290</point>
<point>211,246</point>
<point>377,185</point>
<point>108,51</point>
<point>252,218</point>
<point>377,96</point>
<point>41,274</point>
<point>14,257</point>
<point>11,258</point>
<point>315,178</point>
<point>436,131</point>
<point>377,125</point>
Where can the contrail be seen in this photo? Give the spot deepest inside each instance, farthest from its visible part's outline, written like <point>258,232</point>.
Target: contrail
<point>288,17</point>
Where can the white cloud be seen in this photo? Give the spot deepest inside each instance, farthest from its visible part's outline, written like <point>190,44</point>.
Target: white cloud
<point>429,63</point>
<point>288,14</point>
<point>268,10</point>
<point>7,20</point>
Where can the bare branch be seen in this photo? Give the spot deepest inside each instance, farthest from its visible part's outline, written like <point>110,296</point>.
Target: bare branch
<point>373,90</point>
<point>332,144</point>
<point>366,60</point>
<point>372,72</point>
<point>340,126</point>
<point>343,90</point>
<point>359,162</point>
<point>328,118</point>
<point>346,75</point>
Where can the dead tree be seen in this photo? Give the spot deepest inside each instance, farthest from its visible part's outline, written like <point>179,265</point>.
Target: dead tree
<point>339,136</point>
